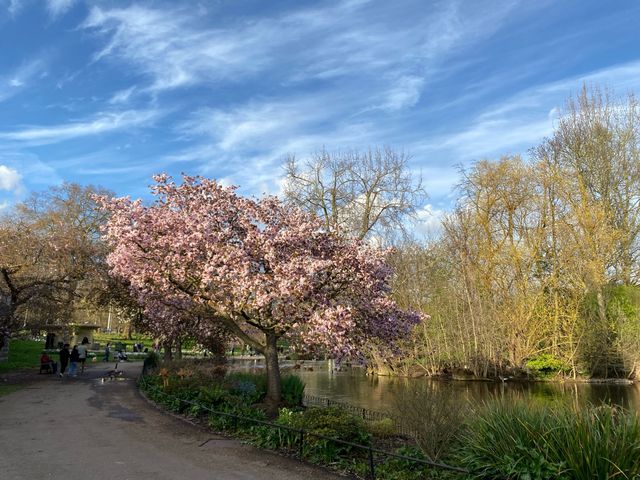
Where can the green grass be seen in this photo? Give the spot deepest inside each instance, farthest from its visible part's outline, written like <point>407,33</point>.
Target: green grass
<point>103,338</point>
<point>22,354</point>
<point>7,389</point>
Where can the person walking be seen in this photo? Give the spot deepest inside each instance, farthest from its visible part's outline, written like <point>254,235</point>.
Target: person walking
<point>74,358</point>
<point>64,358</point>
<point>107,351</point>
<point>83,349</point>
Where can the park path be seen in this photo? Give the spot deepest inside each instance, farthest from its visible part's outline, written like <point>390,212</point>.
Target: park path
<point>84,428</point>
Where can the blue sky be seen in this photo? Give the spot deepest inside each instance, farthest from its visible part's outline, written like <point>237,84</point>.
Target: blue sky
<point>109,92</point>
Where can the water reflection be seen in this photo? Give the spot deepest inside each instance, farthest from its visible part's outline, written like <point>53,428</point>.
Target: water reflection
<point>376,393</point>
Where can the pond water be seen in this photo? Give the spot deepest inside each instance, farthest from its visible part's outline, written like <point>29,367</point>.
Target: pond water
<point>352,386</point>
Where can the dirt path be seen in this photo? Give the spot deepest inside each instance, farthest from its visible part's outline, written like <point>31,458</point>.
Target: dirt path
<point>84,428</point>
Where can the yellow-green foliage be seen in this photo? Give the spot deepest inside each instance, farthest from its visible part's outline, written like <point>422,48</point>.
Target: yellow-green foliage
<point>382,428</point>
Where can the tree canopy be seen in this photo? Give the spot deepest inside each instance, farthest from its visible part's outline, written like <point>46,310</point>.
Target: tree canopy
<point>257,269</point>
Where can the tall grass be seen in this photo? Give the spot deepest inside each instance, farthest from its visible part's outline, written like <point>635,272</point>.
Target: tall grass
<point>524,441</point>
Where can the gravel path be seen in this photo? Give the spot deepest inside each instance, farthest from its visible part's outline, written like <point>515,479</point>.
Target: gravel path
<point>87,428</point>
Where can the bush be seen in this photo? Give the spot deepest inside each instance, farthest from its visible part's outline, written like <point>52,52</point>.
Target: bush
<point>435,417</point>
<point>399,469</point>
<point>335,423</point>
<point>330,422</point>
<point>250,388</point>
<point>212,396</point>
<point>382,428</point>
<point>228,422</point>
<point>521,440</point>
<point>151,361</point>
<point>276,438</point>
<point>292,390</point>
<point>546,365</point>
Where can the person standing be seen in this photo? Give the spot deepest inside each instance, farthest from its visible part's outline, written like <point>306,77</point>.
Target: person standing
<point>83,349</point>
<point>74,358</point>
<point>107,351</point>
<point>64,358</point>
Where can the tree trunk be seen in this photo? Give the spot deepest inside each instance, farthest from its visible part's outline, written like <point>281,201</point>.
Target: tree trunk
<point>4,348</point>
<point>602,317</point>
<point>178,349</point>
<point>168,354</point>
<point>274,385</point>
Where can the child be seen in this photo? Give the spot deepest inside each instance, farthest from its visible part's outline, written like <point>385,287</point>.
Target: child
<point>47,364</point>
<point>74,357</point>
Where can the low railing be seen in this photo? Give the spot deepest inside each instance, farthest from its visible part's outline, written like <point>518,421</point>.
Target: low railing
<point>302,434</point>
<point>364,413</point>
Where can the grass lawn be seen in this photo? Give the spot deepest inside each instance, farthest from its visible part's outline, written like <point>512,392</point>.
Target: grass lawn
<point>113,338</point>
<point>22,354</point>
<point>7,389</point>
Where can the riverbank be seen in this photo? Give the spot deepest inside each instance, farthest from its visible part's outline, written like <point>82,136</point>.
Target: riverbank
<point>507,437</point>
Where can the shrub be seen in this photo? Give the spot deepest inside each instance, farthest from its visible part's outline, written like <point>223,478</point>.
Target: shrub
<point>435,417</point>
<point>330,422</point>
<point>151,361</point>
<point>178,398</point>
<point>335,423</point>
<point>251,388</point>
<point>275,438</point>
<point>228,422</point>
<point>212,396</point>
<point>399,469</point>
<point>292,390</point>
<point>382,428</point>
<point>546,365</point>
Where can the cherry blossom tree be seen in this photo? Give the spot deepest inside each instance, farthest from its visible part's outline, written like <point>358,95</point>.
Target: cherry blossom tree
<point>259,269</point>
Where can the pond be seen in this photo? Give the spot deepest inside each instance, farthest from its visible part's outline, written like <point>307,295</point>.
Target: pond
<point>377,393</point>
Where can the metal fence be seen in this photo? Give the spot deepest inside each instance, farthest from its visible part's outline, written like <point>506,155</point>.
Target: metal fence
<point>302,435</point>
<point>367,415</point>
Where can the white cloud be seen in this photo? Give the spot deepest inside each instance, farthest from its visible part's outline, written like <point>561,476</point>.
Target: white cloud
<point>520,122</point>
<point>15,82</point>
<point>101,123</point>
<point>15,7</point>
<point>499,136</point>
<point>405,93</point>
<point>428,222</point>
<point>122,96</point>
<point>344,39</point>
<point>10,179</point>
<point>59,7</point>
<point>165,45</point>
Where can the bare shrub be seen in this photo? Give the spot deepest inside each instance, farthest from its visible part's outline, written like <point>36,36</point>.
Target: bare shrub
<point>434,414</point>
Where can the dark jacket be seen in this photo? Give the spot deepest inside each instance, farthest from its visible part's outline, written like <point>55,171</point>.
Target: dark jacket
<point>64,355</point>
<point>75,355</point>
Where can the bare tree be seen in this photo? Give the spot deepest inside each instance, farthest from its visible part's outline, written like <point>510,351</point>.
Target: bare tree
<point>357,193</point>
